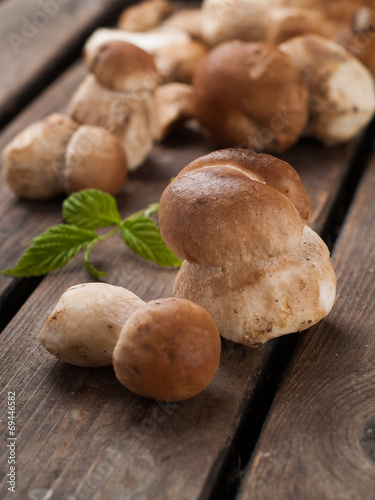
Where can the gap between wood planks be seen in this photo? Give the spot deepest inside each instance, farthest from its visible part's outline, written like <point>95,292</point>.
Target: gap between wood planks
<point>257,408</point>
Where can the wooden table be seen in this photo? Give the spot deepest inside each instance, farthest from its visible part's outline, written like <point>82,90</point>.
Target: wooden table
<point>292,420</point>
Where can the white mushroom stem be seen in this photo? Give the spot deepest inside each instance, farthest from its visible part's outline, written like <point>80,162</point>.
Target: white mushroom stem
<point>254,302</point>
<point>341,89</point>
<point>128,115</point>
<point>85,324</point>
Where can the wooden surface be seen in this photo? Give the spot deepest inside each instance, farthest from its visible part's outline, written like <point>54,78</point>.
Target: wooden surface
<point>81,435</point>
<point>319,440</point>
<point>37,37</point>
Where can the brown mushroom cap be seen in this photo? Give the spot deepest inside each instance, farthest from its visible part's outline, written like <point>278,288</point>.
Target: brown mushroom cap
<point>122,66</point>
<point>94,159</point>
<point>254,302</point>
<point>341,89</point>
<point>233,206</point>
<point>250,94</point>
<point>32,162</point>
<point>168,350</point>
<point>144,15</point>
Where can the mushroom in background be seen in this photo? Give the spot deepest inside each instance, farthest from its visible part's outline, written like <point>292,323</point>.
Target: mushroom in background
<point>176,54</point>
<point>145,15</point>
<point>351,23</point>
<point>118,96</point>
<point>341,89</point>
<point>56,155</point>
<point>174,103</point>
<point>250,94</point>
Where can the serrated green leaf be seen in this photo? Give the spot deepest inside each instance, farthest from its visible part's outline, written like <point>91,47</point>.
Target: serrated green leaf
<point>91,209</point>
<point>142,235</point>
<point>51,250</point>
<point>89,267</point>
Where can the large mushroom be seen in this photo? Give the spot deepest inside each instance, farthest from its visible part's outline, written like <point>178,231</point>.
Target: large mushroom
<point>250,95</point>
<point>341,89</point>
<point>239,220</point>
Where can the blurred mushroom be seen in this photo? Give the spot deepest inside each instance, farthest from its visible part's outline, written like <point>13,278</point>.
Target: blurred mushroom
<point>57,155</point>
<point>176,55</point>
<point>188,20</point>
<point>145,15</point>
<point>341,89</point>
<point>250,95</point>
<point>123,102</point>
<point>33,161</point>
<point>94,159</point>
<point>174,103</point>
<point>224,20</point>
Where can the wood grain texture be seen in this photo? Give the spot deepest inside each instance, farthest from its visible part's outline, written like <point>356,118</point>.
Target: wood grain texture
<point>37,36</point>
<point>319,439</point>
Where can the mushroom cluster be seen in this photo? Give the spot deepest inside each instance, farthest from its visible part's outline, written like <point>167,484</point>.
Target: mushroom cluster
<point>166,349</point>
<point>238,218</point>
<point>252,74</point>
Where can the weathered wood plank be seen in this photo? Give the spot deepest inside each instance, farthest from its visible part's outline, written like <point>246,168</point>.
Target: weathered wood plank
<point>319,439</point>
<point>98,440</point>
<point>38,37</point>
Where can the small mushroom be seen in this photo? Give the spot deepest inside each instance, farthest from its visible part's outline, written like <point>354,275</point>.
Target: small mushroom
<point>33,161</point>
<point>57,155</point>
<point>174,103</point>
<point>175,53</point>
<point>341,89</point>
<point>85,324</point>
<point>169,349</point>
<point>94,159</point>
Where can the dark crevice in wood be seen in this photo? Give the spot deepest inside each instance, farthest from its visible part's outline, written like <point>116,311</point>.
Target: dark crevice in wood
<point>358,164</point>
<point>255,415</point>
<point>60,64</point>
<point>14,297</point>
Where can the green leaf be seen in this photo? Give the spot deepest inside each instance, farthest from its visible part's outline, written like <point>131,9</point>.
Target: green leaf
<point>142,235</point>
<point>91,209</point>
<point>151,209</point>
<point>89,267</point>
<point>51,250</point>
